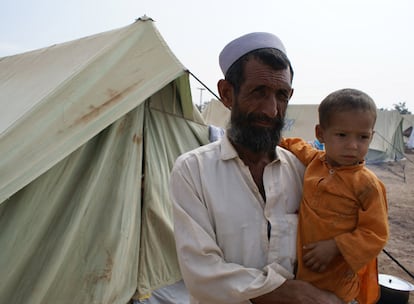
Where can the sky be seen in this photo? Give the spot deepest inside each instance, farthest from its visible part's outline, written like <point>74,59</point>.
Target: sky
<point>332,44</point>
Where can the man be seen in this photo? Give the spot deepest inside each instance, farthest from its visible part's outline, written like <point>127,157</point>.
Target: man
<point>236,200</point>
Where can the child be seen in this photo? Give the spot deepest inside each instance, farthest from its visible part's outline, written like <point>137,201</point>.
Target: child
<point>343,222</point>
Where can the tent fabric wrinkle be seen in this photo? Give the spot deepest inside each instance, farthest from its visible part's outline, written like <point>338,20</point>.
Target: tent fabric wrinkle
<point>75,227</point>
<point>165,136</point>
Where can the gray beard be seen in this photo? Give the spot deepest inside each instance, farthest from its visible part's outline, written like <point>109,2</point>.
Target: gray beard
<point>256,139</point>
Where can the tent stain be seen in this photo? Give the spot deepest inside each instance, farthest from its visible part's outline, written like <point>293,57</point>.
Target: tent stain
<point>114,97</point>
<point>137,139</point>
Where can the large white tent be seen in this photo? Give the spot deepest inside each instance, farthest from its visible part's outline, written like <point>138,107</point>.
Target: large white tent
<point>387,144</point>
<point>89,131</point>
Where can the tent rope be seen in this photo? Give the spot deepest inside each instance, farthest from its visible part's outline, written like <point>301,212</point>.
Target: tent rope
<point>398,150</point>
<point>398,263</point>
<point>208,89</point>
<point>394,147</point>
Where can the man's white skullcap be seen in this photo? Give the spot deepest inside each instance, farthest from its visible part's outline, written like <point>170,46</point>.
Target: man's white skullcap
<point>245,44</point>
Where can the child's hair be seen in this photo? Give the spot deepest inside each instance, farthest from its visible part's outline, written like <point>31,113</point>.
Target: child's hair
<point>345,100</point>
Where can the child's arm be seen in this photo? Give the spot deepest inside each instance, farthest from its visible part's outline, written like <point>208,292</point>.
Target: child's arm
<point>302,150</point>
<point>371,233</point>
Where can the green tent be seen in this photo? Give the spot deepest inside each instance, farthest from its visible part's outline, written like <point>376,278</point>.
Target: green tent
<point>89,131</point>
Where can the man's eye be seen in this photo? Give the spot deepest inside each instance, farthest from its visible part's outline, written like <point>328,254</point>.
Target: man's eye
<point>283,97</point>
<point>261,92</point>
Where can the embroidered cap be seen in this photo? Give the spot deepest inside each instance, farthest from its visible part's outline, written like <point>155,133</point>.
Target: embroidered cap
<point>245,44</point>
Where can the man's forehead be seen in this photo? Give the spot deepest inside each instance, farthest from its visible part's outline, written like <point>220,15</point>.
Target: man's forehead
<point>258,72</point>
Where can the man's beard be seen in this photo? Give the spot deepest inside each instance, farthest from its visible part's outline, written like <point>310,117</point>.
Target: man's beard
<point>243,131</point>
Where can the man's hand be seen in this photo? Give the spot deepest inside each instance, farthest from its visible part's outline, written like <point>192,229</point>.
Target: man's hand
<point>318,255</point>
<point>297,292</point>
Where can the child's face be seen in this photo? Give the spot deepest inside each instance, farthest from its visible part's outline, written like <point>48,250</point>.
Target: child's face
<point>347,137</point>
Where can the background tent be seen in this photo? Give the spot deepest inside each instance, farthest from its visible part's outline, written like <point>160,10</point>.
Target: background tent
<point>216,114</point>
<point>387,144</point>
<point>89,131</point>
<point>408,121</point>
<point>408,125</point>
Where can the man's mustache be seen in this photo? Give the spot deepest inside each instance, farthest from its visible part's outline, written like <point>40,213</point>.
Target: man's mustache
<point>263,118</point>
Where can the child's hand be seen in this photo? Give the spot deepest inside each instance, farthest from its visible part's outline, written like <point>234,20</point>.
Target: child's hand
<point>318,255</point>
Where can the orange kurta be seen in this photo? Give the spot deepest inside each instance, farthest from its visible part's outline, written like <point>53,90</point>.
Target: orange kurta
<point>347,204</point>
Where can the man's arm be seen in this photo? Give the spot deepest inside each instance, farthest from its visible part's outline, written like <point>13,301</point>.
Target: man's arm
<point>297,292</point>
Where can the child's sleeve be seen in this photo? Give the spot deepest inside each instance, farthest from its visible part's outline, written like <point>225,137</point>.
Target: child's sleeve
<point>300,148</point>
<point>371,233</point>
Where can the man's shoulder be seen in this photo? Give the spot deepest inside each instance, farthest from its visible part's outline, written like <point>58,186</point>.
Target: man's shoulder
<point>289,161</point>
<point>287,156</point>
<point>210,148</point>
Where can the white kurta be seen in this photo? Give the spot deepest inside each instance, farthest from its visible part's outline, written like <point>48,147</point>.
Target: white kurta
<point>221,223</point>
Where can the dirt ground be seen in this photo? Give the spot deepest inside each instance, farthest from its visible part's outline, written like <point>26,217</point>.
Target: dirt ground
<point>398,178</point>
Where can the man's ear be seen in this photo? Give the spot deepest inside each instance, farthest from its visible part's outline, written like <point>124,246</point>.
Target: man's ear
<point>225,90</point>
<point>319,133</point>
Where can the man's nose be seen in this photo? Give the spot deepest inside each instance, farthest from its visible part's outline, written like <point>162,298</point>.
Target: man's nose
<point>270,107</point>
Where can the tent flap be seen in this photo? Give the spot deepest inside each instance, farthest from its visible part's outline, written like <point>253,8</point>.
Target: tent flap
<point>72,235</point>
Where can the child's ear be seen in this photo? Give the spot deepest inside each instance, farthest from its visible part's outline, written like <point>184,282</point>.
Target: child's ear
<point>319,133</point>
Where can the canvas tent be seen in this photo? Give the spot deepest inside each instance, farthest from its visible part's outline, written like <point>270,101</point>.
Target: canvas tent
<point>387,144</point>
<point>89,130</point>
<point>408,121</point>
<point>408,125</point>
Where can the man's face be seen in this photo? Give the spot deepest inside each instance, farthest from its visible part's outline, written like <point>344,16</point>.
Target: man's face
<point>259,109</point>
